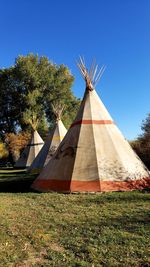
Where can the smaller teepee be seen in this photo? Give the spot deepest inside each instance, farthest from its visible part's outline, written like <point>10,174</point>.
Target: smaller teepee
<point>52,142</point>
<point>30,151</point>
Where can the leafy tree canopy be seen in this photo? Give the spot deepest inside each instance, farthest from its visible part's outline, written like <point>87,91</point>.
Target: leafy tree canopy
<point>27,91</point>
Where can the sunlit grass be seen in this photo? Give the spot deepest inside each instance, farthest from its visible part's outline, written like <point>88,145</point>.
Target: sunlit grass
<point>50,229</point>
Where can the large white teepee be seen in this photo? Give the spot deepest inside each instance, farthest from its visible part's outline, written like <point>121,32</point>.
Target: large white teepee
<point>94,155</point>
<point>30,151</point>
<point>51,144</point>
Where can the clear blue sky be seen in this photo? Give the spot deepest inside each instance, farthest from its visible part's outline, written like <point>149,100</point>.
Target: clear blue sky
<point>115,32</point>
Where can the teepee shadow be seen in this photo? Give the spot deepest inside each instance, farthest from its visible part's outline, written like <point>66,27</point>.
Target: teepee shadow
<point>14,181</point>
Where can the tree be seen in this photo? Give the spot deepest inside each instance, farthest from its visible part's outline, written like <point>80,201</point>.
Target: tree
<point>146,127</point>
<point>9,108</point>
<point>27,91</point>
<point>16,143</point>
<point>142,144</point>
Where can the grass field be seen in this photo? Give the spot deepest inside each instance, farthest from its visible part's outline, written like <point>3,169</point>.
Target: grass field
<point>50,229</point>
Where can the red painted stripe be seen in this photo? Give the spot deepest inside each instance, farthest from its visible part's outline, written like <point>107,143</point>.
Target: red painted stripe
<point>89,186</point>
<point>92,122</point>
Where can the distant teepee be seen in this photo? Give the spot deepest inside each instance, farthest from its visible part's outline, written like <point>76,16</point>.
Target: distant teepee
<point>94,155</point>
<point>30,151</point>
<point>52,142</point>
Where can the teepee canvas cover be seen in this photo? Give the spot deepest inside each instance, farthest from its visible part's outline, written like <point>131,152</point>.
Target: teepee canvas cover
<point>51,143</point>
<point>30,152</point>
<point>94,155</point>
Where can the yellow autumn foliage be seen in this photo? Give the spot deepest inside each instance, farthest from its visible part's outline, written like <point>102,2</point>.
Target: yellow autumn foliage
<point>17,142</point>
<point>3,151</point>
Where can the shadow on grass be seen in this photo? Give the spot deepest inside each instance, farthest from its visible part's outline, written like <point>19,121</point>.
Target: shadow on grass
<point>121,196</point>
<point>14,181</point>
<point>133,222</point>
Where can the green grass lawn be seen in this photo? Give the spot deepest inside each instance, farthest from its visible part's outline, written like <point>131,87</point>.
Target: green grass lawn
<point>50,229</point>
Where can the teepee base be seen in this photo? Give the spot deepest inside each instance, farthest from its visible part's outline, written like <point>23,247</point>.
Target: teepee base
<point>90,186</point>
